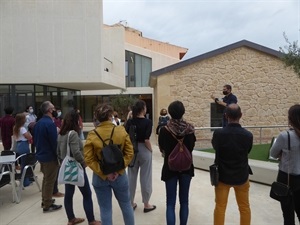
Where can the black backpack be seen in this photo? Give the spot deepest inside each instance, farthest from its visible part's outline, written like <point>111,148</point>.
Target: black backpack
<point>111,156</point>
<point>133,137</point>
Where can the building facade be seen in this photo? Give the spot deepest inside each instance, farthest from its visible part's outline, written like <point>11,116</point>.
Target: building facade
<point>61,51</point>
<point>141,56</point>
<point>265,88</point>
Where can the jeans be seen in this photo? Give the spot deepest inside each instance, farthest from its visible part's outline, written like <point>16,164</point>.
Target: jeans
<point>87,200</point>
<point>23,148</point>
<point>292,205</point>
<point>184,181</point>
<point>242,198</point>
<point>103,190</point>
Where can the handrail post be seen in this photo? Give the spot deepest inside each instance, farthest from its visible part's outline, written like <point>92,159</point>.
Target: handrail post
<point>260,131</point>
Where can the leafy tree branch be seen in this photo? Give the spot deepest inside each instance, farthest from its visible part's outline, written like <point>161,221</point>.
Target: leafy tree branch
<point>121,103</point>
<point>291,55</point>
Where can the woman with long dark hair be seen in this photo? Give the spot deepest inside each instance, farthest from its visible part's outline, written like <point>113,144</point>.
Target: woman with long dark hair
<point>289,164</point>
<point>71,124</point>
<point>143,161</point>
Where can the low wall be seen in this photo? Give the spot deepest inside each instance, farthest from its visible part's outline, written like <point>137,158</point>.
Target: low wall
<point>263,172</point>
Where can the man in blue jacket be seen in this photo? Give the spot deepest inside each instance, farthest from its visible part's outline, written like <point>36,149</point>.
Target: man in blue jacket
<point>45,140</point>
<point>232,145</point>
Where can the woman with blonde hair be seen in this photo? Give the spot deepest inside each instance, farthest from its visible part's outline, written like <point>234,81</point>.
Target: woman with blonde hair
<point>22,137</point>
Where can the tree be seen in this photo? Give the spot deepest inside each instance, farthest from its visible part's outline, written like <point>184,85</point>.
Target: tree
<point>291,55</point>
<point>121,102</point>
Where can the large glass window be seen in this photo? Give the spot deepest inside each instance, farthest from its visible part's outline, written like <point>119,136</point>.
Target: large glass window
<point>20,96</point>
<point>24,97</point>
<point>137,69</point>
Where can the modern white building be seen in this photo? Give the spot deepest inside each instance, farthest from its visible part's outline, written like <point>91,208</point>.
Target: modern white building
<point>61,51</point>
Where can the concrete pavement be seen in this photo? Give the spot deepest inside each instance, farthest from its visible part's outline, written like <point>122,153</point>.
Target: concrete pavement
<point>265,211</point>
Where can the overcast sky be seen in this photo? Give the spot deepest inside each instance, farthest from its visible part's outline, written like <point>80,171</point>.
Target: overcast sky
<point>205,25</point>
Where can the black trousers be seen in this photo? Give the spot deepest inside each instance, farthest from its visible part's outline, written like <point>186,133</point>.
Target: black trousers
<point>292,205</point>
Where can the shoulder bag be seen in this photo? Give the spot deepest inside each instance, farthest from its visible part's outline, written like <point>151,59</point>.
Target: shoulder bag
<point>214,172</point>
<point>71,171</point>
<point>280,191</point>
<point>133,137</point>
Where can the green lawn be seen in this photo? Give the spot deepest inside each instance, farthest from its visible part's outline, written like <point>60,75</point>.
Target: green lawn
<point>258,152</point>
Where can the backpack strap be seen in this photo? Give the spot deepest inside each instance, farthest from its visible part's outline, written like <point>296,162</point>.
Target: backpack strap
<point>179,140</point>
<point>110,139</point>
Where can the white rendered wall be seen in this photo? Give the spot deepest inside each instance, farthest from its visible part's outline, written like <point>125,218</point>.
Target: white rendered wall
<point>158,61</point>
<point>114,55</point>
<point>52,41</point>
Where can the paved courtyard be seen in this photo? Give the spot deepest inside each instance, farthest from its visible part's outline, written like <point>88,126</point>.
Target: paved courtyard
<point>265,211</point>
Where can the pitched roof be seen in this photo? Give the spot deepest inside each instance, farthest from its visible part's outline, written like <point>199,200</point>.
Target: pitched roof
<point>242,43</point>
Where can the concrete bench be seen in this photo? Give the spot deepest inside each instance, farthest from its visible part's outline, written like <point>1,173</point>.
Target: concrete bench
<point>263,172</point>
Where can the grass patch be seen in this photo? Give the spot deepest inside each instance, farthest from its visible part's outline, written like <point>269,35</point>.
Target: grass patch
<point>258,152</point>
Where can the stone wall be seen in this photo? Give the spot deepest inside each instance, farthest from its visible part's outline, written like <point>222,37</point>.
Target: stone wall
<point>264,87</point>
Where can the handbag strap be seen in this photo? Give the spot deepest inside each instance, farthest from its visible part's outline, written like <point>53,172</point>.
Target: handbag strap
<point>289,148</point>
<point>68,144</point>
<point>216,158</point>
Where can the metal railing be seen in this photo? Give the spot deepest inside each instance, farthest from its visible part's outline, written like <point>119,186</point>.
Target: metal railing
<point>261,134</point>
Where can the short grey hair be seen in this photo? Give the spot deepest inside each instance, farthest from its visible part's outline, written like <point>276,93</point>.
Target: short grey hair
<point>45,107</point>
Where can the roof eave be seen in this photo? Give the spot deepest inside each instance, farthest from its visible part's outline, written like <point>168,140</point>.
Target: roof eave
<point>243,43</point>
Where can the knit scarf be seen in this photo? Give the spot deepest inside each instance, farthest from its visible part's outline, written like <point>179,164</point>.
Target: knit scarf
<point>179,127</point>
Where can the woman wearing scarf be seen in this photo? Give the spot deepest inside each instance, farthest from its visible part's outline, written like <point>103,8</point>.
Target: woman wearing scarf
<point>181,129</point>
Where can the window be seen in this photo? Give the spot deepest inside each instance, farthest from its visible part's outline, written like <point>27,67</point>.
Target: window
<point>137,70</point>
<point>216,113</point>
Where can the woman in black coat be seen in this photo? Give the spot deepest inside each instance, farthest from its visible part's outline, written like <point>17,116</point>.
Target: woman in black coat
<point>181,130</point>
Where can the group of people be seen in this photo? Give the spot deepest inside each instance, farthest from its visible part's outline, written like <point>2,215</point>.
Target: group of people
<point>51,150</point>
<point>17,135</point>
<point>122,183</point>
<point>51,144</point>
<point>232,144</point>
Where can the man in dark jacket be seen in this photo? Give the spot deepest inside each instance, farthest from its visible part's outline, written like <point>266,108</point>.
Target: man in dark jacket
<point>45,140</point>
<point>228,99</point>
<point>7,123</point>
<point>232,145</point>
